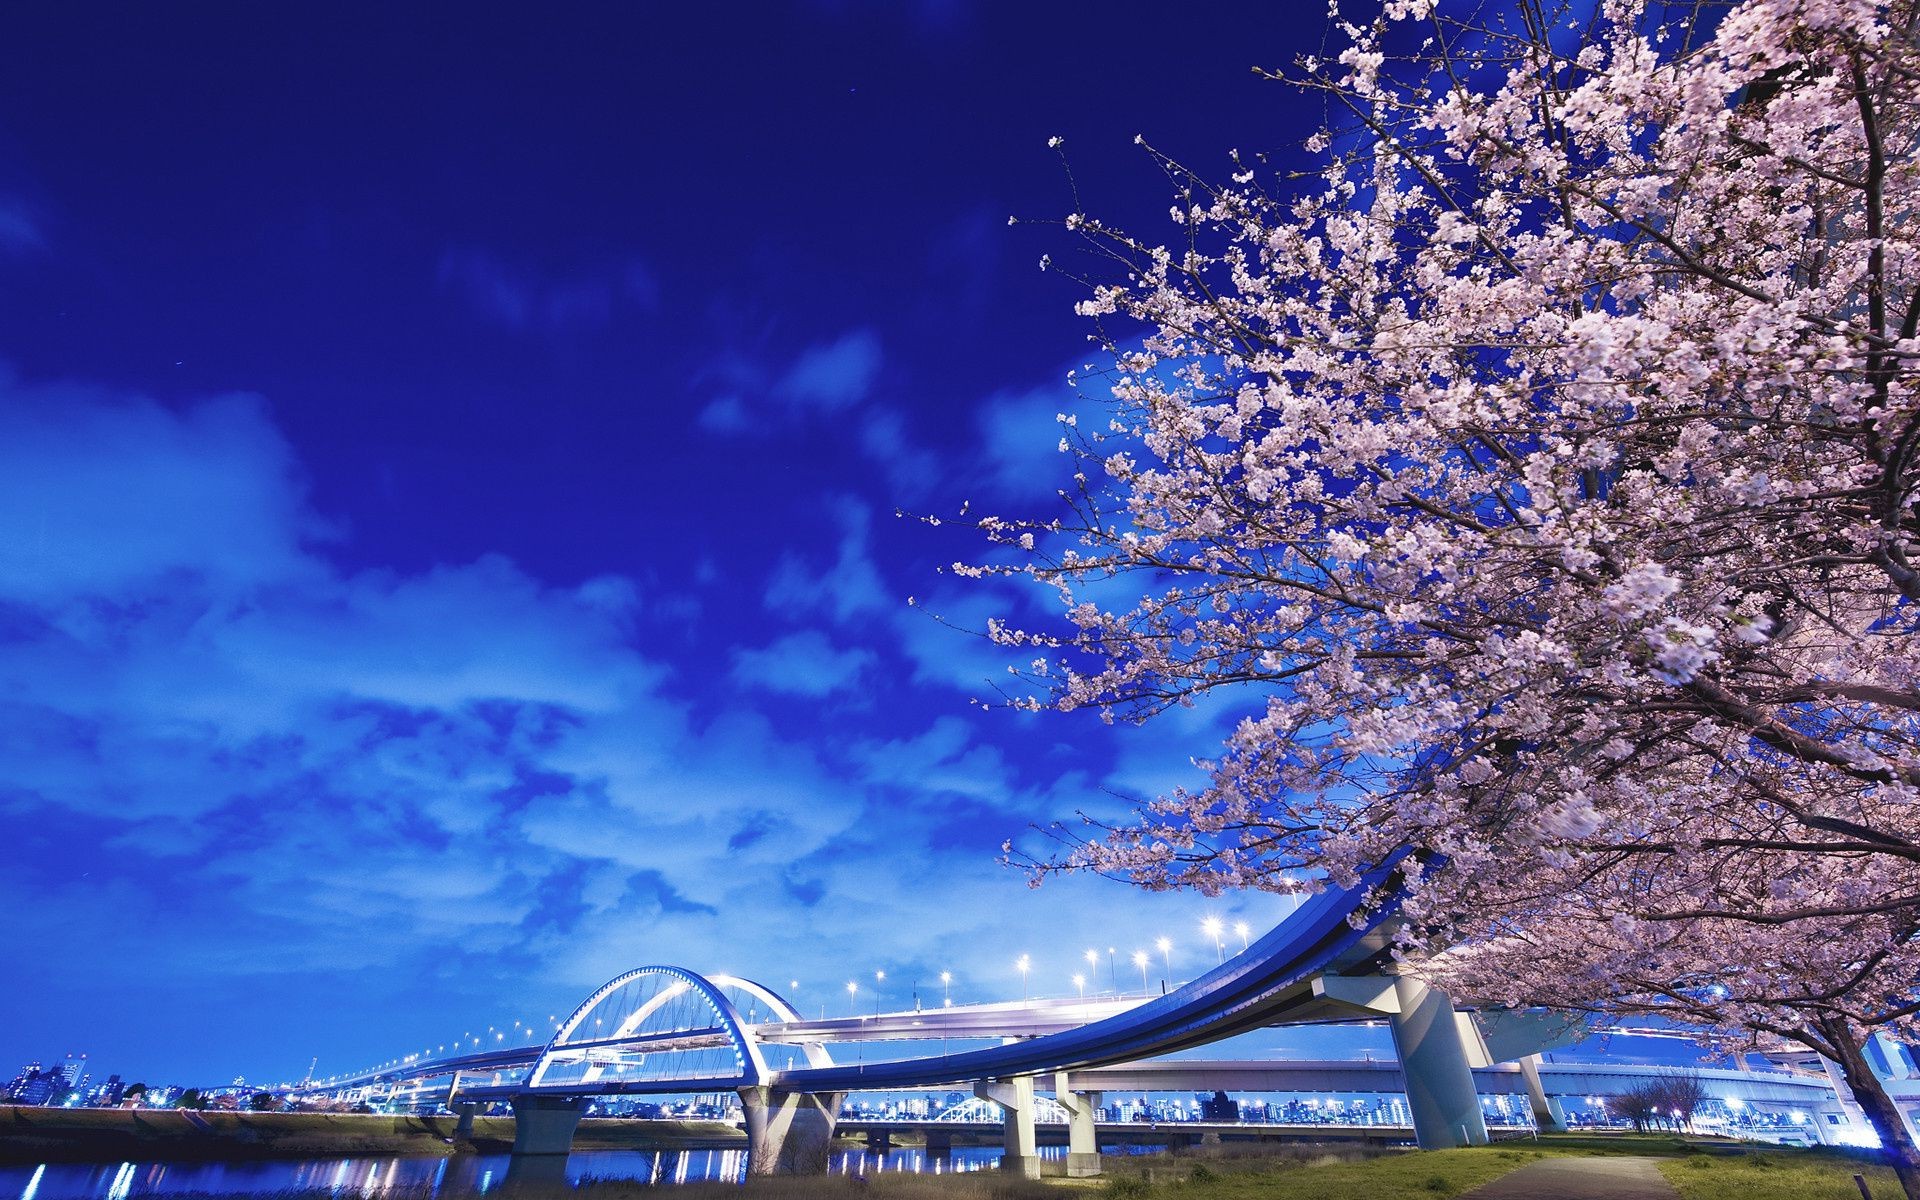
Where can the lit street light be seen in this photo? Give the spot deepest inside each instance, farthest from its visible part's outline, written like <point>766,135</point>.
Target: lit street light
<point>1165,946</point>
<point>1080,982</point>
<point>1140,960</point>
<point>946,985</point>
<point>1023,965</point>
<point>1212,928</point>
<point>852,989</point>
<point>1245,932</point>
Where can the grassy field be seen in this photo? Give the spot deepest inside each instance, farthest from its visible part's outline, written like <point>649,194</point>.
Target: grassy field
<point>111,1134</point>
<point>1699,1168</point>
<point>1777,1175</point>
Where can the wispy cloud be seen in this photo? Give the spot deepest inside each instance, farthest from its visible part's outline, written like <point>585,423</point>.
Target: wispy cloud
<point>21,231</point>
<point>801,664</point>
<point>847,588</point>
<point>832,376</point>
<point>525,301</point>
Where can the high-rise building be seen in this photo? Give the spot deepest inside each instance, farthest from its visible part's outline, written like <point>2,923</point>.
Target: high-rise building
<point>16,1087</point>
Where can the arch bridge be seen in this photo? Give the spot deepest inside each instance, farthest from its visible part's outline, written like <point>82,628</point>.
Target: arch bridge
<point>666,1030</point>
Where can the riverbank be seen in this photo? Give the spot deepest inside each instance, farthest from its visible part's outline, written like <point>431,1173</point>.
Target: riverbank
<point>32,1135</point>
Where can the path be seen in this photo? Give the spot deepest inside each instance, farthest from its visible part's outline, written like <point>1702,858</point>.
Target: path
<point>1595,1177</point>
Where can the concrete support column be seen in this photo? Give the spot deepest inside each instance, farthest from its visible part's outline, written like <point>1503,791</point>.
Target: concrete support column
<point>463,1128</point>
<point>545,1124</point>
<point>1083,1140</point>
<point>1547,1112</point>
<point>939,1144</point>
<point>1433,1056</point>
<point>1015,1098</point>
<point>789,1133</point>
<point>542,1138</point>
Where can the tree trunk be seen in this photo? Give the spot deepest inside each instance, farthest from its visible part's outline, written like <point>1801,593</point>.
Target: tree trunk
<point>1879,1108</point>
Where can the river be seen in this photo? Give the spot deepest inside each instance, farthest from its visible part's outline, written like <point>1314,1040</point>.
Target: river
<point>431,1175</point>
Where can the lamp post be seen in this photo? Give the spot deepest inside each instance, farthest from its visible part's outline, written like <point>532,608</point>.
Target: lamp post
<point>946,988</point>
<point>879,977</point>
<point>1093,964</point>
<point>1246,934</point>
<point>1080,984</point>
<point>853,989</point>
<point>1024,964</point>
<point>1165,945</point>
<point>1212,928</point>
<point>1140,960</point>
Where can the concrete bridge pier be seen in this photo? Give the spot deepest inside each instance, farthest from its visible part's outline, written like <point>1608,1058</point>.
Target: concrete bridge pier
<point>463,1128</point>
<point>542,1138</point>
<point>789,1133</point>
<point>879,1141</point>
<point>1083,1142</point>
<point>939,1144</point>
<point>1547,1112</point>
<point>1015,1098</point>
<point>1433,1054</point>
<point>544,1125</point>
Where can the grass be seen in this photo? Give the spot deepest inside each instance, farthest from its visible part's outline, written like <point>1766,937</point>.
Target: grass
<point>1777,1175</point>
<point>1318,1173</point>
<point>110,1134</point>
<point>1699,1168</point>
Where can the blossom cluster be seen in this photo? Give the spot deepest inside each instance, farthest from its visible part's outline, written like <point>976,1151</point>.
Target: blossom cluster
<point>1541,476</point>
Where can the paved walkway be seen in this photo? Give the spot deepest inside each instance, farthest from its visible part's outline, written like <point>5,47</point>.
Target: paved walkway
<point>1596,1177</point>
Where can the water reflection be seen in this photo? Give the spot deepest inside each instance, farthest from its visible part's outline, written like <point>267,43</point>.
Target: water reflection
<point>438,1176</point>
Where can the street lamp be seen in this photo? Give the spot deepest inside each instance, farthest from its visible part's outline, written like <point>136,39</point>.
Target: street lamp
<point>852,988</point>
<point>1023,964</point>
<point>1112,978</point>
<point>946,986</point>
<point>1245,932</point>
<point>1140,960</point>
<point>1212,927</point>
<point>1080,982</point>
<point>1165,946</point>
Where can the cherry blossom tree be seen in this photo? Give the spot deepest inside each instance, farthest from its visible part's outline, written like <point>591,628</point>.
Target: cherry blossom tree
<point>1540,476</point>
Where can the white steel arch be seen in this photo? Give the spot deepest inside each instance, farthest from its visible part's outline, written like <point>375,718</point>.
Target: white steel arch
<point>777,1005</point>
<point>566,1046</point>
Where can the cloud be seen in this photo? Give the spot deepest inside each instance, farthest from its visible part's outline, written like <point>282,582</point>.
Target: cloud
<point>844,590</point>
<point>235,761</point>
<point>100,497</point>
<point>361,764</point>
<point>1020,434</point>
<point>911,472</point>
<point>519,299</point>
<point>801,664</point>
<point>20,231</point>
<point>728,414</point>
<point>832,376</point>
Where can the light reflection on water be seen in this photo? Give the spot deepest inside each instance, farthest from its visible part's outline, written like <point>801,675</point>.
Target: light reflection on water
<point>435,1175</point>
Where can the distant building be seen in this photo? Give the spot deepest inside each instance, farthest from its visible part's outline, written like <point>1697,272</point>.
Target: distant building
<point>74,1071</point>
<point>37,1085</point>
<point>106,1095</point>
<point>16,1088</point>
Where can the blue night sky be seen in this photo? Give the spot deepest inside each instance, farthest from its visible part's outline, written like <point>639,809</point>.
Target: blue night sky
<point>448,466</point>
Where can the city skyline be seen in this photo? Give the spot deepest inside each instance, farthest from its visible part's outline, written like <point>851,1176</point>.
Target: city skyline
<point>448,491</point>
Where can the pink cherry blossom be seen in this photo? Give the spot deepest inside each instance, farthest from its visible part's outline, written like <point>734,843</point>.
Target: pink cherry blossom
<point>1541,474</point>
